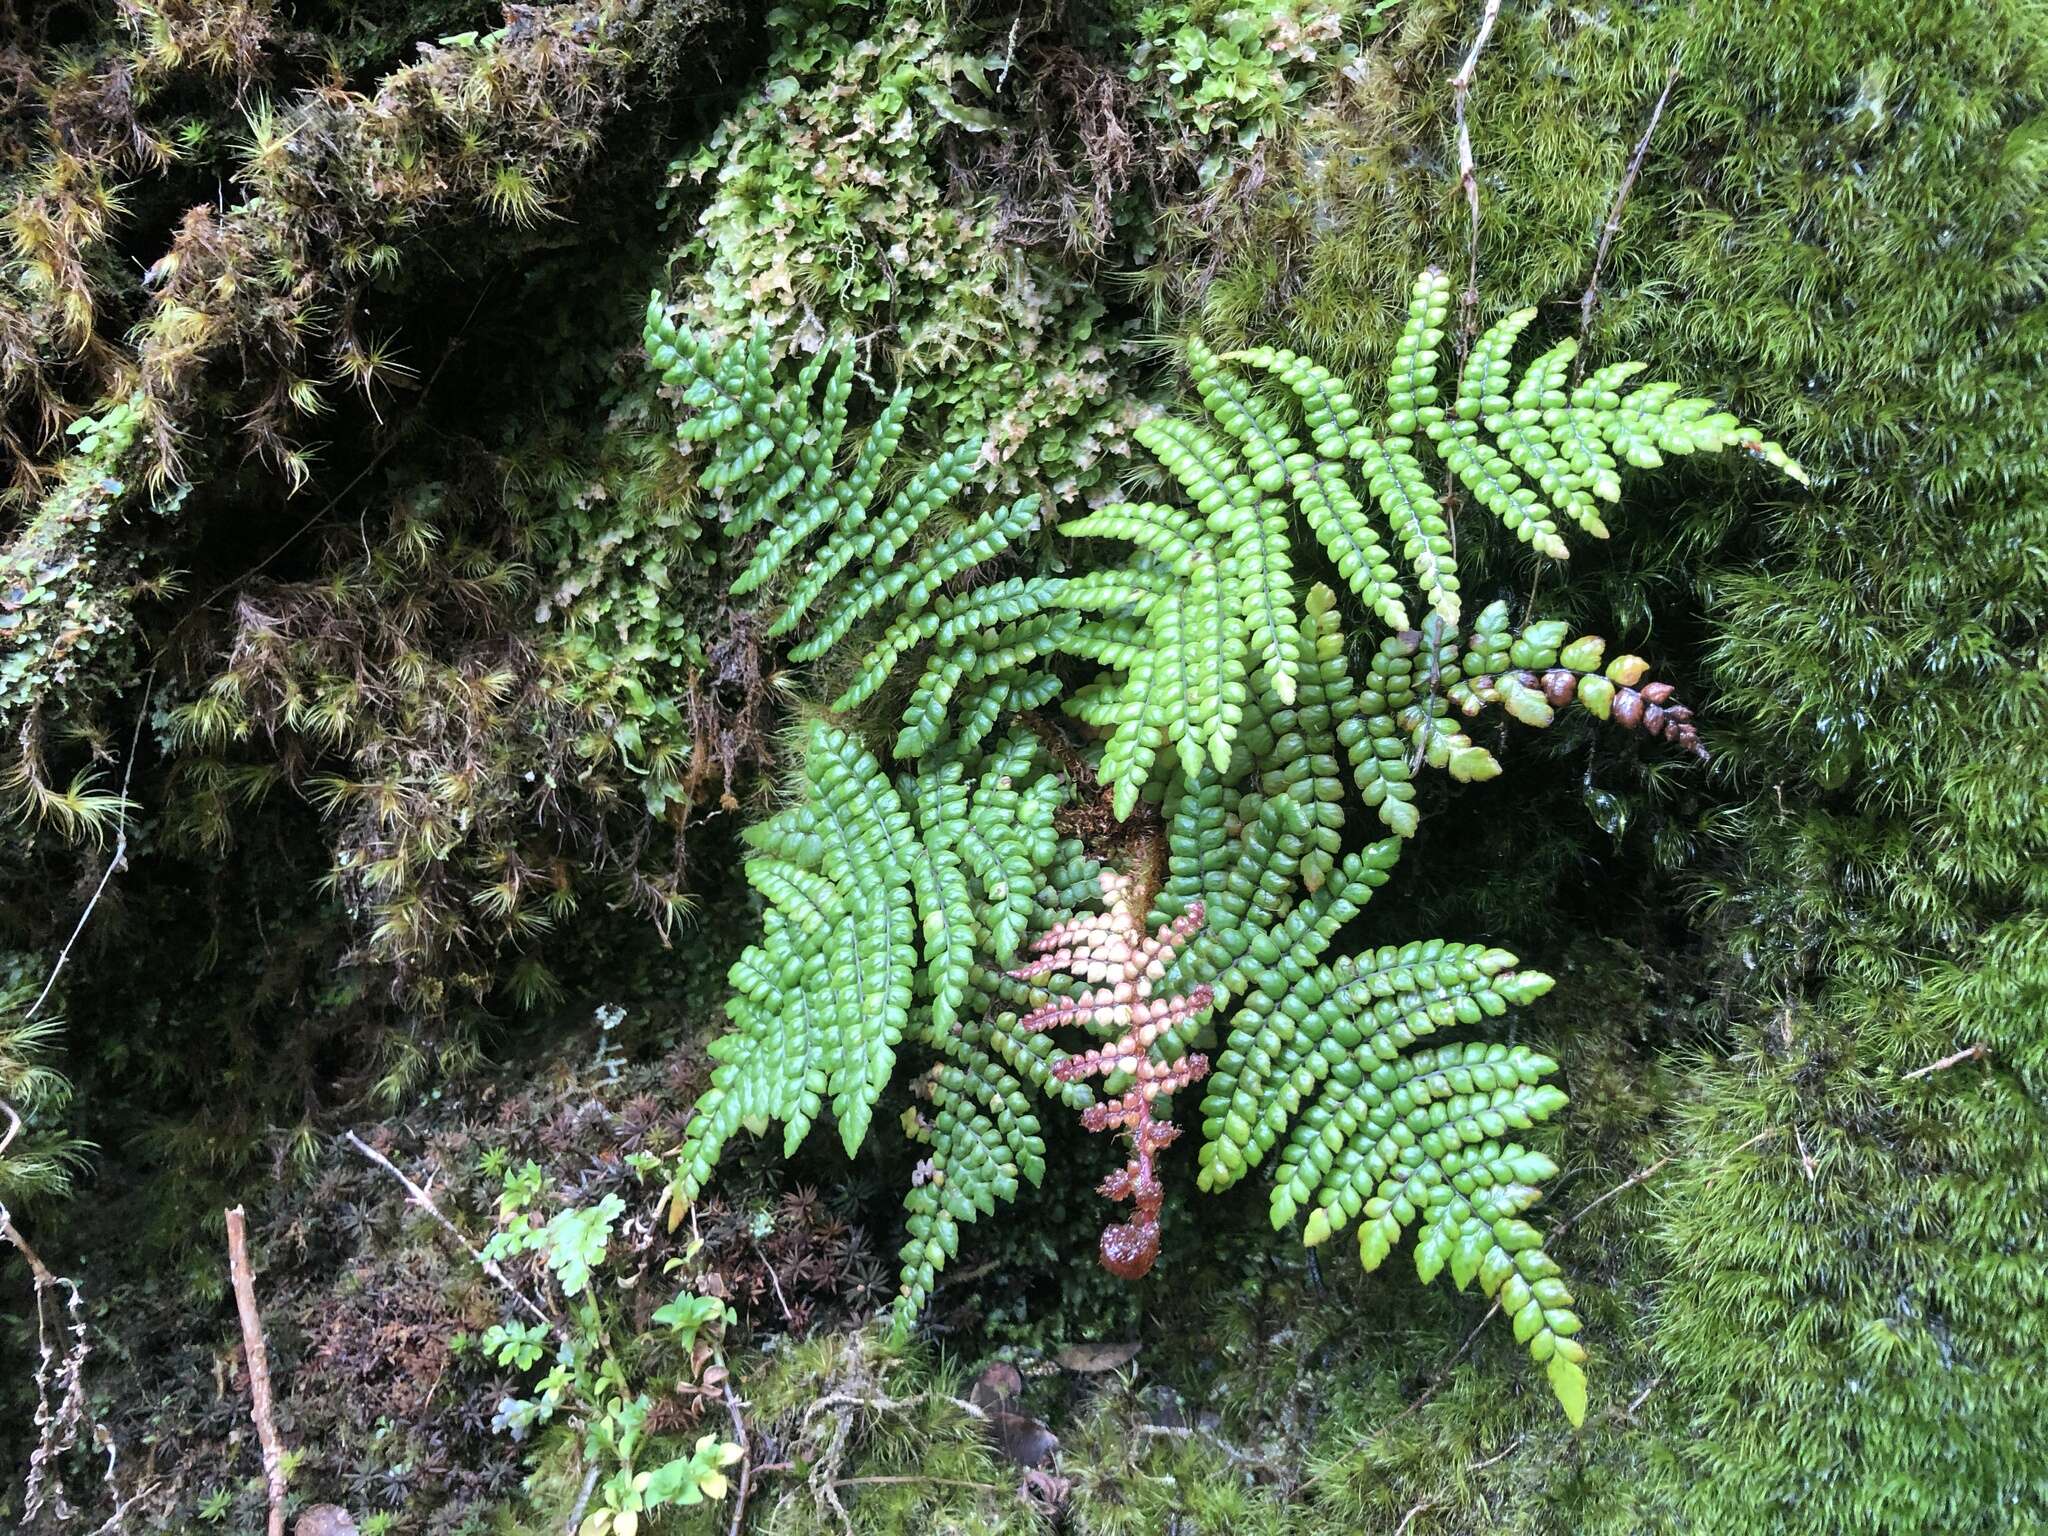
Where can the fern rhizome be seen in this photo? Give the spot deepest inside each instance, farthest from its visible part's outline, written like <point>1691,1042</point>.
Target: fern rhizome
<point>1040,915</point>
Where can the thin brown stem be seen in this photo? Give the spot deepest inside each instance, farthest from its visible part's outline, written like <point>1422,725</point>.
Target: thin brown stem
<point>1612,227</point>
<point>1641,1397</point>
<point>1640,1176</point>
<point>254,1351</point>
<point>780,1300</point>
<point>1513,1446</point>
<point>1976,1052</point>
<point>421,1199</point>
<point>118,861</point>
<point>739,1433</point>
<point>1468,173</point>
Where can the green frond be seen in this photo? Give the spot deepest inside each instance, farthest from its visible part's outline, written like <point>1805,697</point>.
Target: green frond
<point>1224,695</point>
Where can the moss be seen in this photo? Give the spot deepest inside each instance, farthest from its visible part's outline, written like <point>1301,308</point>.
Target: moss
<point>1838,220</point>
<point>1822,1308</point>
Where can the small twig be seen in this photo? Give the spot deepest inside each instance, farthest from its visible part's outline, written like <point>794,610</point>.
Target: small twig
<point>38,1271</point>
<point>1513,1446</point>
<point>1409,1519</point>
<point>420,1199</point>
<point>61,1410</point>
<point>780,1300</point>
<point>919,1478</point>
<point>258,1358</point>
<point>891,1405</point>
<point>1641,1397</point>
<point>1436,1383</point>
<point>1612,227</point>
<point>582,1499</point>
<point>122,1506</point>
<point>1468,173</point>
<point>1764,1135</point>
<point>1643,1176</point>
<point>120,855</point>
<point>1640,1176</point>
<point>1977,1052</point>
<point>1207,1437</point>
<point>739,1433</point>
<point>1010,53</point>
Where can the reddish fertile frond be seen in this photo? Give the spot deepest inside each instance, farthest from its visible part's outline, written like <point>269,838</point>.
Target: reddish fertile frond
<point>1112,950</point>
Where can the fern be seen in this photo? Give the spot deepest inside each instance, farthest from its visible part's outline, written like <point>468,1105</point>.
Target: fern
<point>776,460</point>
<point>1528,451</point>
<point>887,904</point>
<point>1218,687</point>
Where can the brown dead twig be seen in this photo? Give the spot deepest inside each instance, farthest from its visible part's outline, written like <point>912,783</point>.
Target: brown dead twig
<point>1977,1052</point>
<point>1426,1505</point>
<point>420,1198</point>
<point>1612,227</point>
<point>746,1444</point>
<point>1215,1442</point>
<point>824,1466</point>
<point>243,1276</point>
<point>1468,172</point>
<point>1641,1397</point>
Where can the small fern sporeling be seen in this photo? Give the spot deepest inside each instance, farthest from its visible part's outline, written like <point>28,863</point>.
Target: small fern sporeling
<point>941,909</point>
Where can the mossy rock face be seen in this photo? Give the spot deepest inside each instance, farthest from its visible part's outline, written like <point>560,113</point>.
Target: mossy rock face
<point>1837,222</point>
<point>1820,1308</point>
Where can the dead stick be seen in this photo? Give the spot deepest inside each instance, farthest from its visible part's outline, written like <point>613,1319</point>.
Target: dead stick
<point>119,860</point>
<point>259,1365</point>
<point>421,1199</point>
<point>1513,1446</point>
<point>1468,173</point>
<point>1613,225</point>
<point>59,1422</point>
<point>583,1499</point>
<point>780,1300</point>
<point>1640,1176</point>
<point>739,1431</point>
<point>1972,1053</point>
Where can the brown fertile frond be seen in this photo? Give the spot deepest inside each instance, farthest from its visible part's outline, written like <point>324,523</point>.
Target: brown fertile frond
<point>1111,951</point>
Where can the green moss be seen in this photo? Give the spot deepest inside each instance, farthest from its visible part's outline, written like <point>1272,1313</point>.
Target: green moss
<point>1839,221</point>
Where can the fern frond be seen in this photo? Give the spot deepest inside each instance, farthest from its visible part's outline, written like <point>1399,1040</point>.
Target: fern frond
<point>1224,695</point>
<point>913,584</point>
<point>888,904</point>
<point>1111,952</point>
<point>1480,466</point>
<point>982,1141</point>
<point>824,999</point>
<point>774,460</point>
